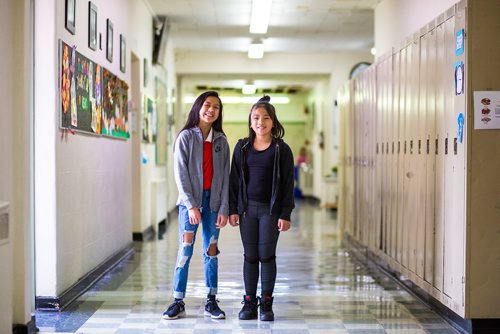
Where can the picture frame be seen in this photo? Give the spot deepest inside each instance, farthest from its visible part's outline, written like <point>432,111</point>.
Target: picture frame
<point>146,72</point>
<point>70,16</point>
<point>123,53</point>
<point>109,40</point>
<point>92,26</point>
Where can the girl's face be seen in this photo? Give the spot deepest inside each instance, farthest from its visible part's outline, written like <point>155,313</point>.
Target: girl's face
<point>210,110</point>
<point>261,122</point>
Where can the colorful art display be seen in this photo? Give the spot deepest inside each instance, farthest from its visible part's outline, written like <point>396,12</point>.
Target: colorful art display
<point>93,100</point>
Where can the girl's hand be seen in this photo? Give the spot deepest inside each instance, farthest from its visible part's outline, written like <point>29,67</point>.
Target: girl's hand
<point>221,221</point>
<point>233,219</point>
<point>283,225</point>
<point>194,216</point>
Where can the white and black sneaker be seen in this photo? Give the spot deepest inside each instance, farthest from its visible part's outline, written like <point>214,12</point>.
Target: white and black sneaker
<point>175,310</point>
<point>212,309</point>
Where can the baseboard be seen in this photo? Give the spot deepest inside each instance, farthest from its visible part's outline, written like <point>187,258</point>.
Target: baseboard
<point>58,303</point>
<point>470,326</point>
<point>29,328</point>
<point>147,234</point>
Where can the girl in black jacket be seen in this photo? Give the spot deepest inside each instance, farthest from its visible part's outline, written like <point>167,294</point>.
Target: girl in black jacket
<point>261,198</point>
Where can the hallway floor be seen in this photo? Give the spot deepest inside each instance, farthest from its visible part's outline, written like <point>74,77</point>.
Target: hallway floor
<point>319,289</point>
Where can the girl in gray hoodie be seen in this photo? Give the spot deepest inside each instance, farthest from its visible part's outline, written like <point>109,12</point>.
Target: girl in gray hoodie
<point>201,170</point>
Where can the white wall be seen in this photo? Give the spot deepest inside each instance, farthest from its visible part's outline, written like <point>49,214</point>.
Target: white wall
<point>152,194</point>
<point>7,25</point>
<point>84,183</point>
<point>15,141</point>
<point>397,19</point>
<point>83,187</point>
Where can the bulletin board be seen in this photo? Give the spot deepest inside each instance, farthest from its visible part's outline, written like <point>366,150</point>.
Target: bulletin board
<point>93,100</point>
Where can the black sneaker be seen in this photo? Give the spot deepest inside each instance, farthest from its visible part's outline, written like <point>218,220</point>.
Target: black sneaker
<point>212,309</point>
<point>174,311</point>
<point>266,308</point>
<point>249,309</point>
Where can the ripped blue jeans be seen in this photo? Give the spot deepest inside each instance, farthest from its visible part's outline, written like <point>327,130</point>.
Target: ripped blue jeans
<point>210,236</point>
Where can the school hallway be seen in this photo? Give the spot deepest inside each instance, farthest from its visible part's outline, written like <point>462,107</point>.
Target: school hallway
<point>320,288</point>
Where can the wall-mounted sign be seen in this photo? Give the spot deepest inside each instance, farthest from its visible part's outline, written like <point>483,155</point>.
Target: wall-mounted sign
<point>460,130</point>
<point>486,110</point>
<point>459,42</point>
<point>459,78</point>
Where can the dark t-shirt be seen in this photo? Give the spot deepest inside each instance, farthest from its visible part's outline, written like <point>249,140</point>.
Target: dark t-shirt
<point>260,174</point>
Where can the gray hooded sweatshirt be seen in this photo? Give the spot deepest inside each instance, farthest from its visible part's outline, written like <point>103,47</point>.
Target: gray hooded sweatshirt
<point>188,170</point>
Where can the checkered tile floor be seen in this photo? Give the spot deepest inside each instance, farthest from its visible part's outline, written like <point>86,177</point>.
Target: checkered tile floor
<point>319,290</point>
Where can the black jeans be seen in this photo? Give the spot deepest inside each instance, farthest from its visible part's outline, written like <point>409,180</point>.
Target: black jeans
<point>259,233</point>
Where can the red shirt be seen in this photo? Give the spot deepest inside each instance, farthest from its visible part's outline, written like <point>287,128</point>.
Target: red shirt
<point>207,162</point>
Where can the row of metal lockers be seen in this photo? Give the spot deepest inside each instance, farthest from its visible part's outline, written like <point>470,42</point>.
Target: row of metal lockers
<point>406,158</point>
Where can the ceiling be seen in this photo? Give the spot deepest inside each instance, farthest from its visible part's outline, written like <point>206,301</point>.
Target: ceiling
<point>296,26</point>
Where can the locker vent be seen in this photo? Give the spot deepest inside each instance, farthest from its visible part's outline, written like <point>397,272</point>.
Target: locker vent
<point>4,226</point>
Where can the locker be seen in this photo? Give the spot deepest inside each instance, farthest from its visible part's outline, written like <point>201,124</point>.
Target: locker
<point>455,177</point>
<point>454,173</point>
<point>372,111</point>
<point>430,157</point>
<point>390,155</point>
<point>436,214</point>
<point>417,165</point>
<point>439,192</point>
<point>421,155</point>
<point>395,157</point>
<point>381,136</point>
<point>401,244</point>
<point>409,161</point>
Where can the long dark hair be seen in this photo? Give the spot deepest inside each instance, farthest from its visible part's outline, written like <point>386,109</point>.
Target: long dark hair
<point>194,115</point>
<point>278,131</point>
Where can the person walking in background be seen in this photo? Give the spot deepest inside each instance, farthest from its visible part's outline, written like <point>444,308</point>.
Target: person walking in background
<point>261,199</point>
<point>201,170</point>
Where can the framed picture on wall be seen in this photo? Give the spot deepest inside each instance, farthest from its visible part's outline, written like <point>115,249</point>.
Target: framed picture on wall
<point>92,26</point>
<point>70,16</point>
<point>123,52</point>
<point>146,72</point>
<point>109,40</point>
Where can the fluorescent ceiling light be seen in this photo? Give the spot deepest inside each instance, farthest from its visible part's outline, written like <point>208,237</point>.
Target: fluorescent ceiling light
<point>261,12</point>
<point>248,89</point>
<point>256,50</point>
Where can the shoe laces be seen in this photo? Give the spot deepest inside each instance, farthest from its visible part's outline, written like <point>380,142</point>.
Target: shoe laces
<point>212,304</point>
<point>179,304</point>
<point>249,304</point>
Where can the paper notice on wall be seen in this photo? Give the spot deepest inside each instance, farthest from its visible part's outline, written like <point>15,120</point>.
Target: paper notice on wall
<point>486,110</point>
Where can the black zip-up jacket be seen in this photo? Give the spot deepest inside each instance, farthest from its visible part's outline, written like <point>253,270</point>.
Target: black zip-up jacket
<point>282,198</point>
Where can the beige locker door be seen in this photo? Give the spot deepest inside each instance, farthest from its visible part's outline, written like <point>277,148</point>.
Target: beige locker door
<point>437,149</point>
<point>431,77</point>
<point>395,156</point>
<point>379,199</point>
<point>421,155</point>
<point>454,175</point>
<point>402,233</point>
<point>455,194</point>
<point>409,163</point>
<point>355,112</point>
<point>367,220</point>
<point>413,167</point>
<point>382,89</point>
<point>370,147</point>
<point>390,155</point>
<point>349,190</point>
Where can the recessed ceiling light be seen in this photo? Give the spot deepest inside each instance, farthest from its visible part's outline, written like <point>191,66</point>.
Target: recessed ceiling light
<point>261,12</point>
